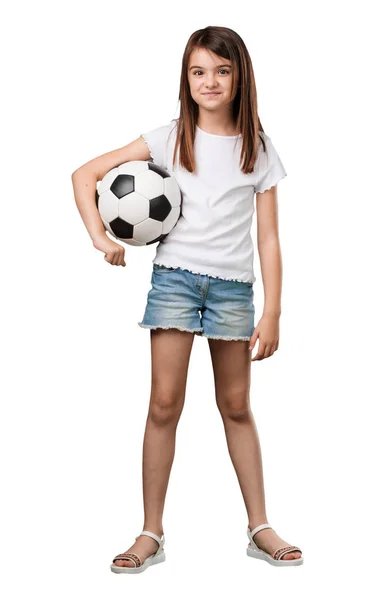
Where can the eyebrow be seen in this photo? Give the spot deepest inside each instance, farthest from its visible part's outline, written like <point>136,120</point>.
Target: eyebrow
<point>218,66</point>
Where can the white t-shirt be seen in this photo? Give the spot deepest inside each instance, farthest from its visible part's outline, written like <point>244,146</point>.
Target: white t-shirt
<point>212,236</point>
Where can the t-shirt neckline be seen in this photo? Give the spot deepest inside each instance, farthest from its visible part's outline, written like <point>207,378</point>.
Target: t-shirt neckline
<point>227,137</point>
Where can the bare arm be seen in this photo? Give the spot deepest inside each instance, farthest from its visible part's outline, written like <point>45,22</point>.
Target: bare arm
<point>85,178</point>
<point>84,186</point>
<point>269,251</point>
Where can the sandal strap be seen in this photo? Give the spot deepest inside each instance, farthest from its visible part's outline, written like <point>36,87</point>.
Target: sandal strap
<point>134,557</point>
<point>159,540</point>
<point>278,554</point>
<point>258,528</point>
<point>131,556</point>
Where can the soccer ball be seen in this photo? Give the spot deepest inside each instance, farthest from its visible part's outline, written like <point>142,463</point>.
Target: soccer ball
<point>139,202</point>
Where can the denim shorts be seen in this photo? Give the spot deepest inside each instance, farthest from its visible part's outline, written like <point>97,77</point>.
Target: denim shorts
<point>204,305</point>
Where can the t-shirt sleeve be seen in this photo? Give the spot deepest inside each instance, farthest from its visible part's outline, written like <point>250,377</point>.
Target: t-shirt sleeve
<point>156,141</point>
<point>270,169</point>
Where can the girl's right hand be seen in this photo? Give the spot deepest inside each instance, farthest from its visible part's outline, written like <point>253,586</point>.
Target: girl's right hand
<point>114,253</point>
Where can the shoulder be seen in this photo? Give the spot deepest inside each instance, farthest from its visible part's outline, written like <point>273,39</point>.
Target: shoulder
<point>268,165</point>
<point>266,147</point>
<point>158,136</point>
<point>161,130</point>
<point>264,140</point>
<point>157,142</point>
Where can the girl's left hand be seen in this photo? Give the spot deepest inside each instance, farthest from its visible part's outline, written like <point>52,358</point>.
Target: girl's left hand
<point>267,330</point>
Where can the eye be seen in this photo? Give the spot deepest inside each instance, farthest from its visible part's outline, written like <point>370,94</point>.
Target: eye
<point>225,71</point>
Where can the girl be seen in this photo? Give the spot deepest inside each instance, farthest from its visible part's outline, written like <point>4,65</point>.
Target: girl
<point>202,279</point>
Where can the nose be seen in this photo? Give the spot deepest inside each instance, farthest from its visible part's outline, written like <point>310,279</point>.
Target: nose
<point>210,82</point>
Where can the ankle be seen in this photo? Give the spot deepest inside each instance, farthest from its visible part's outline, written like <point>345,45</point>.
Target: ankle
<point>154,529</point>
<point>255,521</point>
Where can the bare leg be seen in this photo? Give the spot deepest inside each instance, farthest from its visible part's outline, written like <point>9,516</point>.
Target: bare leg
<point>170,354</point>
<point>232,366</point>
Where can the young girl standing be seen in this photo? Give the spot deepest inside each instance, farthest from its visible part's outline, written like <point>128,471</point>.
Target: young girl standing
<point>202,278</point>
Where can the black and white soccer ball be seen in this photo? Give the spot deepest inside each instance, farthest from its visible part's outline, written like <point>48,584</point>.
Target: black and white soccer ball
<point>139,202</point>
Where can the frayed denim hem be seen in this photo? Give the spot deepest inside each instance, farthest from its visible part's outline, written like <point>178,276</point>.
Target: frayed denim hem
<point>198,330</point>
<point>228,338</point>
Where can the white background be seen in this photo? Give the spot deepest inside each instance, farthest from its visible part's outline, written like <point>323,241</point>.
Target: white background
<point>80,80</point>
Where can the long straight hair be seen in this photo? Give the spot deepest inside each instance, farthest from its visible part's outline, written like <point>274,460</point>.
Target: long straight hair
<point>228,44</point>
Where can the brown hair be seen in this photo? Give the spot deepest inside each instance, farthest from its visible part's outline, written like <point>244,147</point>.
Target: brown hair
<point>226,43</point>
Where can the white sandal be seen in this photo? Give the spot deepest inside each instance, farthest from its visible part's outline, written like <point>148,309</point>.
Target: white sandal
<point>154,559</point>
<point>275,559</point>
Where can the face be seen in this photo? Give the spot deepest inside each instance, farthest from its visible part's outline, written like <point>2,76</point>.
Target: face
<point>210,77</point>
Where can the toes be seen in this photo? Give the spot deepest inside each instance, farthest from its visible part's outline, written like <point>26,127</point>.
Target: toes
<point>123,563</point>
<point>291,555</point>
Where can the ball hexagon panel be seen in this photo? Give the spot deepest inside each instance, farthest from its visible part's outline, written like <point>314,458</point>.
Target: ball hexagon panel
<point>171,220</point>
<point>147,230</point>
<point>109,229</point>
<point>107,180</point>
<point>159,208</point>
<point>172,191</point>
<point>133,208</point>
<point>122,229</point>
<point>108,206</point>
<point>158,170</point>
<point>123,185</point>
<point>149,184</point>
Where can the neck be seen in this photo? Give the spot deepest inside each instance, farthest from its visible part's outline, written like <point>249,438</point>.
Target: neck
<point>217,124</point>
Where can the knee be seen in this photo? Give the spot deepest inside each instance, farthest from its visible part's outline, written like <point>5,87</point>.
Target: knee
<point>235,406</point>
<point>165,409</point>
